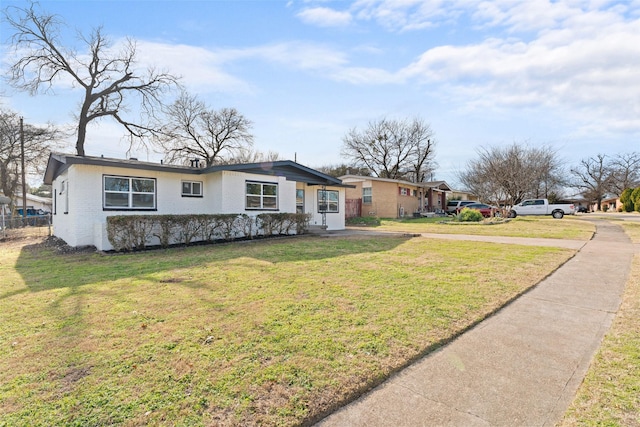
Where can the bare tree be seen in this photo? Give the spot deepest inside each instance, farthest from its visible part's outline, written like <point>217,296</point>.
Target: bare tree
<point>192,130</point>
<point>38,141</point>
<point>108,79</point>
<point>249,155</point>
<point>392,148</point>
<point>593,177</point>
<point>343,169</point>
<point>625,172</point>
<point>421,158</point>
<point>510,174</point>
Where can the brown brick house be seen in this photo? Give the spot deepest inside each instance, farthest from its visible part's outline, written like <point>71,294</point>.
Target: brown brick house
<point>393,198</point>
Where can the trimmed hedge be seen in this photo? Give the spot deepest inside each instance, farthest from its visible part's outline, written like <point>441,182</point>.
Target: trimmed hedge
<point>137,232</point>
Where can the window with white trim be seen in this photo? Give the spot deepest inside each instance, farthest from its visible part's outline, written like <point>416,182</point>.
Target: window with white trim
<point>328,201</point>
<point>261,195</point>
<point>121,192</point>
<point>191,189</point>
<point>299,200</point>
<point>367,196</point>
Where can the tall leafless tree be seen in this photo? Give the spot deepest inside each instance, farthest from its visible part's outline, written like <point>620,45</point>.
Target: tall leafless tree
<point>507,175</point>
<point>108,79</point>
<point>191,130</point>
<point>593,178</point>
<point>343,169</point>
<point>396,149</point>
<point>38,141</point>
<point>625,172</point>
<point>249,155</point>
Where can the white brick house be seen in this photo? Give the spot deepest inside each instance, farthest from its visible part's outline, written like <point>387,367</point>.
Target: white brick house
<point>86,190</point>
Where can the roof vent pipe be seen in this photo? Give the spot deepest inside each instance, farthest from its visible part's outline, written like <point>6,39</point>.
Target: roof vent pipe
<point>195,163</point>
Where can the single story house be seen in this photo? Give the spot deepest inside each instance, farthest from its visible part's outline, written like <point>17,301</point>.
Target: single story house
<point>608,204</point>
<point>86,190</point>
<point>34,202</point>
<point>462,195</point>
<point>394,198</point>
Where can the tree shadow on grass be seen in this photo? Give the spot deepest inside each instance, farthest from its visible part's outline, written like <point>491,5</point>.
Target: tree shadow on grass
<point>43,268</point>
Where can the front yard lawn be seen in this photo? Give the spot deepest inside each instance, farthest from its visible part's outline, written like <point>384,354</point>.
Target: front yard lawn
<point>272,332</point>
<point>544,227</point>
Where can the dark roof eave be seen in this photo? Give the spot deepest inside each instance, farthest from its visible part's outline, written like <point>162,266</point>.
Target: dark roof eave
<point>286,168</point>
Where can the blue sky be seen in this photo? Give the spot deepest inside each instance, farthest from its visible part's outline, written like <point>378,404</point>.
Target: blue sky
<point>562,73</point>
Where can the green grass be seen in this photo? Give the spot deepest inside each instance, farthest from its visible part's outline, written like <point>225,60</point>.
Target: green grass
<point>610,393</point>
<point>543,227</point>
<point>261,333</point>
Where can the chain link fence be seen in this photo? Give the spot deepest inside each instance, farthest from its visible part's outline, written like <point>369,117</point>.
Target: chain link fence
<point>13,227</point>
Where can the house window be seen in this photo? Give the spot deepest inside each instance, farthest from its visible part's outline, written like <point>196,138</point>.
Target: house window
<point>261,195</point>
<point>405,191</point>
<point>191,189</point>
<point>65,191</point>
<point>328,201</point>
<point>299,201</point>
<point>367,197</point>
<point>129,193</point>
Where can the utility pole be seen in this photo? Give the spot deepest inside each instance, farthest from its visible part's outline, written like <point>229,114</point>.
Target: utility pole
<point>24,183</point>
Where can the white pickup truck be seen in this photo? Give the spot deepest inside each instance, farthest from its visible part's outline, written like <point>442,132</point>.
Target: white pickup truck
<point>542,207</point>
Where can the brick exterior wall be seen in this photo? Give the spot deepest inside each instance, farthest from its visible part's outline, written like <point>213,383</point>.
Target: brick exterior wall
<point>386,200</point>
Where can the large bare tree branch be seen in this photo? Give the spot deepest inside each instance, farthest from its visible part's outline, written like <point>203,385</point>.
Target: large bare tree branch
<point>191,130</point>
<point>510,174</point>
<point>109,79</point>
<point>593,177</point>
<point>392,148</point>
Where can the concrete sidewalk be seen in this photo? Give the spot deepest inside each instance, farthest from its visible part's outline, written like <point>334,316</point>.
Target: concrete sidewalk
<point>520,367</point>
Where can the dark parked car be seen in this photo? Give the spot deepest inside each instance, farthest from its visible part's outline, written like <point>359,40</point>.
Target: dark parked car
<point>582,209</point>
<point>487,211</point>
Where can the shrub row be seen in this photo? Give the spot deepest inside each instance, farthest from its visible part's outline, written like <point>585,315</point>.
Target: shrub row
<point>137,232</point>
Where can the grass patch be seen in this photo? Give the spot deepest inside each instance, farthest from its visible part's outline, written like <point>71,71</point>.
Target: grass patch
<point>543,227</point>
<point>259,333</point>
<point>365,221</point>
<point>632,229</point>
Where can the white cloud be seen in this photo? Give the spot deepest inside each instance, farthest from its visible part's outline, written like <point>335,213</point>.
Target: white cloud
<point>205,69</point>
<point>325,17</point>
<point>201,69</point>
<point>305,56</point>
<point>581,66</point>
<point>361,75</point>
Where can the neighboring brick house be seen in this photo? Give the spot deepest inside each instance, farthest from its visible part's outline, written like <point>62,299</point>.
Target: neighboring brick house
<point>462,195</point>
<point>86,190</point>
<point>393,198</point>
<point>610,204</point>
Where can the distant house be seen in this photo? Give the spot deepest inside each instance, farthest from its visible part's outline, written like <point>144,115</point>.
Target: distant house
<point>609,204</point>
<point>462,195</point>
<point>33,202</point>
<point>393,198</point>
<point>86,190</point>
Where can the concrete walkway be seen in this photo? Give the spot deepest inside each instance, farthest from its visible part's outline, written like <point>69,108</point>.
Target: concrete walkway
<point>520,367</point>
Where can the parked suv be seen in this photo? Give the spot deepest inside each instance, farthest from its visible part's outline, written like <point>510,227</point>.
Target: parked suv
<point>454,205</point>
